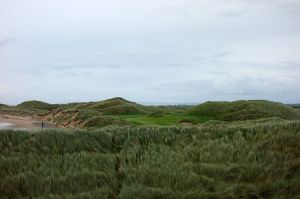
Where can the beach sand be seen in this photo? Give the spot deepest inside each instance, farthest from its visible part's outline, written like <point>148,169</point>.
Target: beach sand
<point>23,122</point>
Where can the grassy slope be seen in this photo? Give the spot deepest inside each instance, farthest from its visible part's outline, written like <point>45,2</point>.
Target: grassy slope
<point>80,118</point>
<point>249,160</point>
<point>244,110</point>
<point>115,111</point>
<point>118,111</point>
<point>117,106</point>
<point>226,111</point>
<point>297,110</point>
<point>164,120</point>
<point>11,110</point>
<point>92,114</point>
<point>34,104</point>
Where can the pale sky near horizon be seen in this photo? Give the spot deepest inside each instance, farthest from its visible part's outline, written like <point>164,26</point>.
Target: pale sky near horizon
<point>156,51</point>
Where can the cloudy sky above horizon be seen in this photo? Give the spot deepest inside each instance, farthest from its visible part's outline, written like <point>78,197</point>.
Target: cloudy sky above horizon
<point>150,51</point>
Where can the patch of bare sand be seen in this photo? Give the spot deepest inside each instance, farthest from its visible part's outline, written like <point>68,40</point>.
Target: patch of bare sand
<point>19,122</point>
<point>186,123</point>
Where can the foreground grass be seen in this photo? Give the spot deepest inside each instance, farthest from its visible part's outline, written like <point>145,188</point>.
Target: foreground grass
<point>250,160</point>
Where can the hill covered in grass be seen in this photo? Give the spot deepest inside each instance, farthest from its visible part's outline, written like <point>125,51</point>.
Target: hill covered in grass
<point>249,160</point>
<point>34,104</point>
<point>80,118</point>
<point>243,110</point>
<point>112,106</point>
<point>119,111</point>
<point>93,114</point>
<point>16,111</point>
<point>117,106</point>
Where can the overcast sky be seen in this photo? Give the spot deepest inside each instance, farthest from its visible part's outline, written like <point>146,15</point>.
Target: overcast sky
<point>157,51</point>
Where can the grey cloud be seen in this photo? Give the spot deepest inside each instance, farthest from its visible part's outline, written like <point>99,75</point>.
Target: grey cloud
<point>68,74</point>
<point>242,93</point>
<point>35,88</point>
<point>221,54</point>
<point>233,13</point>
<point>6,41</point>
<point>183,50</point>
<point>229,9</point>
<point>72,66</point>
<point>229,85</point>
<point>290,6</point>
<point>180,11</point>
<point>191,9</point>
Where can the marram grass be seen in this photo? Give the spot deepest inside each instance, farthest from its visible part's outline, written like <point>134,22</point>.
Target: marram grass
<point>245,160</point>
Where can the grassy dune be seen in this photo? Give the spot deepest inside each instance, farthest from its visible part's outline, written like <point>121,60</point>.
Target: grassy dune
<point>253,159</point>
<point>118,111</point>
<point>244,110</point>
<point>39,105</point>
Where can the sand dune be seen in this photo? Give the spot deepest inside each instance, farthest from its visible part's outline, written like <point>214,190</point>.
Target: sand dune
<point>17,122</point>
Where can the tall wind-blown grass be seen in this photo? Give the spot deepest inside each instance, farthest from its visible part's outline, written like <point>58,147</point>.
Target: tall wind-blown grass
<point>251,160</point>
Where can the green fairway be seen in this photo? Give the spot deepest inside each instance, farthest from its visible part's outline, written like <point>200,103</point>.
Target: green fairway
<point>164,120</point>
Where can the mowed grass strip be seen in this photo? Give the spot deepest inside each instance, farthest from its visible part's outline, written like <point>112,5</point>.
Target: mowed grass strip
<point>164,120</point>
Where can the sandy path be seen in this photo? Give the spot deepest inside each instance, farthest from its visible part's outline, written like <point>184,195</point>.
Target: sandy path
<point>23,122</point>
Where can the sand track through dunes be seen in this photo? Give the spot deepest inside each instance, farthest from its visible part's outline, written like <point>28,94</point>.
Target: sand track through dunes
<point>18,122</point>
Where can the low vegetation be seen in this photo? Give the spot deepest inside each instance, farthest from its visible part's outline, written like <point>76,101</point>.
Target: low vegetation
<point>246,159</point>
<point>244,110</point>
<point>37,105</point>
<point>74,118</point>
<point>118,111</point>
<point>12,110</point>
<point>117,149</point>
